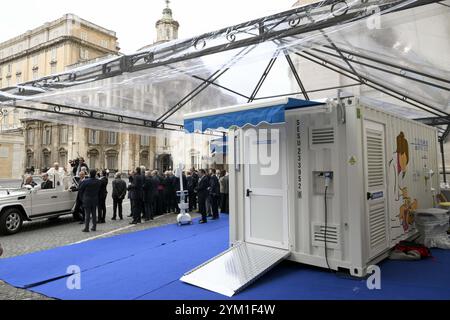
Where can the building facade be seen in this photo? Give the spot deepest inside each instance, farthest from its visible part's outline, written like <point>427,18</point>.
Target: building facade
<point>43,51</point>
<point>48,142</point>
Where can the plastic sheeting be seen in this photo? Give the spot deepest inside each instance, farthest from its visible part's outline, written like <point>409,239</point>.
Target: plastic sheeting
<point>396,46</point>
<point>433,225</point>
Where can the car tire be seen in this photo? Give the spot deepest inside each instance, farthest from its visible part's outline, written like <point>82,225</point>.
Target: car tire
<point>11,221</point>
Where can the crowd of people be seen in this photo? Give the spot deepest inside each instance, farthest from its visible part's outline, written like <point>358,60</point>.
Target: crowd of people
<point>150,192</point>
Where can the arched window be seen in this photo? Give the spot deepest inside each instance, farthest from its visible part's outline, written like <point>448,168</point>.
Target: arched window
<point>164,162</point>
<point>30,135</point>
<point>46,158</point>
<point>30,158</point>
<point>112,160</point>
<point>63,134</point>
<point>93,158</point>
<point>47,135</point>
<point>62,159</point>
<point>144,158</point>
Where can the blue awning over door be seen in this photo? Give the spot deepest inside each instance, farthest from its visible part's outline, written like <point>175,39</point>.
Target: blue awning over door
<point>272,112</point>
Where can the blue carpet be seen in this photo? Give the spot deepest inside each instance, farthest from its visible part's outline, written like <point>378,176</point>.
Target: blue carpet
<point>146,265</point>
<point>142,273</point>
<point>27,270</point>
<point>293,281</point>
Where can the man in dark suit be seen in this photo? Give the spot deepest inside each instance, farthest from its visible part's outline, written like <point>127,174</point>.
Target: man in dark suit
<point>119,190</point>
<point>156,205</point>
<point>214,192</point>
<point>89,194</point>
<point>195,184</point>
<point>190,188</point>
<point>149,191</point>
<point>79,203</point>
<point>171,192</point>
<point>202,194</point>
<point>131,193</point>
<point>138,184</point>
<point>102,197</point>
<point>46,184</point>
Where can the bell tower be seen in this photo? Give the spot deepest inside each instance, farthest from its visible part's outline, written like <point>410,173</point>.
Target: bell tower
<point>167,27</point>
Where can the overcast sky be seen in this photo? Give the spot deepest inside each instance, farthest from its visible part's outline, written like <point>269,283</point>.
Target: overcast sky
<point>134,20</point>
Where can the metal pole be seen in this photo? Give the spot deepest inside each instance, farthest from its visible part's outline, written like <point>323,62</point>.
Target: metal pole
<point>385,70</point>
<point>296,75</point>
<point>441,142</point>
<point>208,81</point>
<point>263,77</point>
<point>367,81</point>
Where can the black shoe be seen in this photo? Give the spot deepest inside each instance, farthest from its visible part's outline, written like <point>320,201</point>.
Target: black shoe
<point>214,218</point>
<point>130,216</point>
<point>85,230</point>
<point>203,221</point>
<point>133,222</point>
<point>146,219</point>
<point>94,229</point>
<point>113,218</point>
<point>121,218</point>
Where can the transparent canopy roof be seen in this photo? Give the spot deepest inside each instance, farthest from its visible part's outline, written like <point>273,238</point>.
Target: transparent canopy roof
<point>395,51</point>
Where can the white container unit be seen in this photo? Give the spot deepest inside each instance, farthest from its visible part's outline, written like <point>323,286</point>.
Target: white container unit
<point>375,168</point>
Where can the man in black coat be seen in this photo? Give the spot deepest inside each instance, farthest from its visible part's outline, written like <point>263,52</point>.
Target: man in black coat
<point>194,185</point>
<point>102,197</point>
<point>171,192</point>
<point>119,190</point>
<point>79,203</point>
<point>149,192</point>
<point>138,184</point>
<point>46,184</point>
<point>156,205</point>
<point>191,190</point>
<point>89,195</point>
<point>131,193</point>
<point>214,193</point>
<point>202,194</point>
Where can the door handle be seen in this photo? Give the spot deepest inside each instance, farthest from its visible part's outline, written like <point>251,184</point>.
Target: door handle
<point>248,192</point>
<point>54,197</point>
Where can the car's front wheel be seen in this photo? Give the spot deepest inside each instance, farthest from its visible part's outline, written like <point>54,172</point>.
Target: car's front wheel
<point>11,221</point>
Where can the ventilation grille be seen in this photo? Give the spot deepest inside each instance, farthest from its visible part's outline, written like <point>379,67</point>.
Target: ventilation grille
<point>332,235</point>
<point>322,136</point>
<point>377,224</point>
<point>375,158</point>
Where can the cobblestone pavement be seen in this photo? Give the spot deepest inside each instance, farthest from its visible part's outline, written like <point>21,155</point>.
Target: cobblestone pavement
<point>47,234</point>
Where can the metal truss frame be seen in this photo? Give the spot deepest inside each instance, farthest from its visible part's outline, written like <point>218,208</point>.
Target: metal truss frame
<point>278,28</point>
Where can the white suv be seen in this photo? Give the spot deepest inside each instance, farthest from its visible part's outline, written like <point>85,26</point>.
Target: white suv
<point>33,203</point>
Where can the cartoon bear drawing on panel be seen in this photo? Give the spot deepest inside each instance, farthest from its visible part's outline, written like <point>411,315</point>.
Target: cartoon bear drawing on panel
<point>399,163</point>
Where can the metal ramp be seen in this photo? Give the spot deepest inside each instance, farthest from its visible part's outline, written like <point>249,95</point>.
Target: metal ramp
<point>235,268</point>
